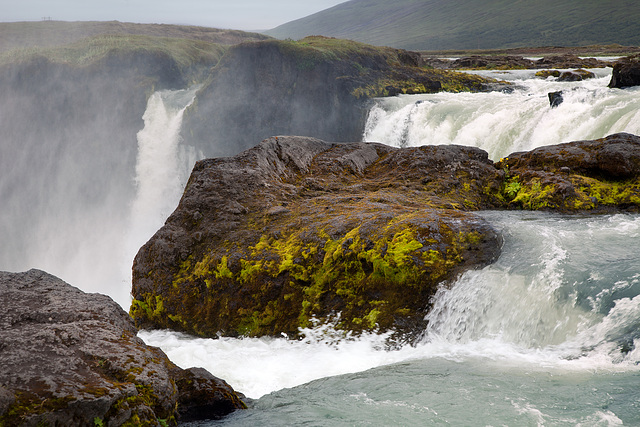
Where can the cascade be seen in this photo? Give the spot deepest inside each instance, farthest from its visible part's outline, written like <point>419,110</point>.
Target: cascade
<point>503,123</point>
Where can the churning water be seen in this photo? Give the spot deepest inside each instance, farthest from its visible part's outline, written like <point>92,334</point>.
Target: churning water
<point>503,123</point>
<point>548,335</point>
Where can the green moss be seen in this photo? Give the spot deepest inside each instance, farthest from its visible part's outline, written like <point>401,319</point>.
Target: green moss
<point>592,192</point>
<point>28,404</point>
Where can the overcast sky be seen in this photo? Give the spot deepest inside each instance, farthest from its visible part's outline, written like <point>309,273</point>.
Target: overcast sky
<point>235,14</point>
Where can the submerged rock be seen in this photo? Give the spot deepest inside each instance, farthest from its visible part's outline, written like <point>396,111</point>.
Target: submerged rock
<point>70,358</point>
<point>298,228</point>
<point>626,72</point>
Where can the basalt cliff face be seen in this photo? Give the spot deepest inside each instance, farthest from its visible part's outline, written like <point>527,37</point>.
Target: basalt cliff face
<point>362,234</point>
<point>317,87</point>
<point>70,358</point>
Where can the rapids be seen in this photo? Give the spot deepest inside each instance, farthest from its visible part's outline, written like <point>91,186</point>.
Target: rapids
<point>503,123</point>
<point>548,335</point>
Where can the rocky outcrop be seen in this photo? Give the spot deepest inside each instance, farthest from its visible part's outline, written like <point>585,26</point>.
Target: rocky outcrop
<point>575,75</point>
<point>602,175</point>
<point>297,228</point>
<point>70,358</point>
<point>626,72</point>
<point>318,86</point>
<point>555,98</point>
<point>567,76</point>
<point>511,62</point>
<point>570,61</point>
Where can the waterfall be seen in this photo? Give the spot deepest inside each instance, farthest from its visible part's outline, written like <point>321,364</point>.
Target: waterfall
<point>503,123</point>
<point>79,199</point>
<point>163,165</point>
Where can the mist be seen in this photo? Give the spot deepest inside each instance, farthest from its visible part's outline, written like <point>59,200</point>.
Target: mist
<point>68,159</point>
<point>248,15</point>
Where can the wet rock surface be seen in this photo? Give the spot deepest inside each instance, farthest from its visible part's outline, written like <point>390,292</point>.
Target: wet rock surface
<point>626,72</point>
<point>600,175</point>
<point>71,358</point>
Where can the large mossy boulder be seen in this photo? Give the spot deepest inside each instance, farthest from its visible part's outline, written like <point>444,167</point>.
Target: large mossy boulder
<point>297,228</point>
<point>626,72</point>
<point>71,358</point>
<point>600,175</point>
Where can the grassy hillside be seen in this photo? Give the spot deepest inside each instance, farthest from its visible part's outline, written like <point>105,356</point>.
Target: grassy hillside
<point>474,24</point>
<point>54,33</point>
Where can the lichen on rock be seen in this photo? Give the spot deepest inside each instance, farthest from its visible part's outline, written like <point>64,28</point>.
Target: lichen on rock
<point>297,228</point>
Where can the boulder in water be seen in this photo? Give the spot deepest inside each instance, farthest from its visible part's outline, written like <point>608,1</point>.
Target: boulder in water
<point>626,72</point>
<point>575,75</point>
<point>70,358</point>
<point>555,98</point>
<point>600,175</point>
<point>297,229</point>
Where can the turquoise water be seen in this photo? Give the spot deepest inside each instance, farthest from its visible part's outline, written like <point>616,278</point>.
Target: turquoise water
<point>549,335</point>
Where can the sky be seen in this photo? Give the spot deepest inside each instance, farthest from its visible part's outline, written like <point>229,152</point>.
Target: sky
<point>234,14</point>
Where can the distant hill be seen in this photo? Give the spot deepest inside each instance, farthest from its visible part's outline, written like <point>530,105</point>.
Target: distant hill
<point>473,24</point>
<point>55,33</point>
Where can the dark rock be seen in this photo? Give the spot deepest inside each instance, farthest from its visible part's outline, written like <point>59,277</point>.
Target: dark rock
<point>548,73</point>
<point>492,62</point>
<point>626,72</point>
<point>510,62</point>
<point>555,98</point>
<point>575,75</point>
<point>203,396</point>
<point>70,358</point>
<point>365,234</point>
<point>602,174</point>
<point>569,61</point>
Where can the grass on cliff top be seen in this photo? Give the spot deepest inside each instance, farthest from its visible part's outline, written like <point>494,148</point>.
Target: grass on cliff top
<point>57,33</point>
<point>319,48</point>
<point>87,51</point>
<point>379,66</point>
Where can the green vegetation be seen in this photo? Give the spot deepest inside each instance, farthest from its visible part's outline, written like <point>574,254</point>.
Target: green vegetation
<point>15,35</point>
<point>473,24</point>
<point>185,53</point>
<point>375,71</point>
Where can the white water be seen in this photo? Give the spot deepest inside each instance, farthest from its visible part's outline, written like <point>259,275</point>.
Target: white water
<point>542,306</point>
<point>162,170</point>
<point>503,123</point>
<point>83,227</point>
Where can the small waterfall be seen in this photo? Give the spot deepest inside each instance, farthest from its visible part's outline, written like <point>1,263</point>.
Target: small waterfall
<point>563,286</point>
<point>503,123</point>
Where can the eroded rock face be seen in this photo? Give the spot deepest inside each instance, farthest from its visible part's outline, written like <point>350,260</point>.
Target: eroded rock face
<point>626,72</point>
<point>70,358</point>
<point>298,228</point>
